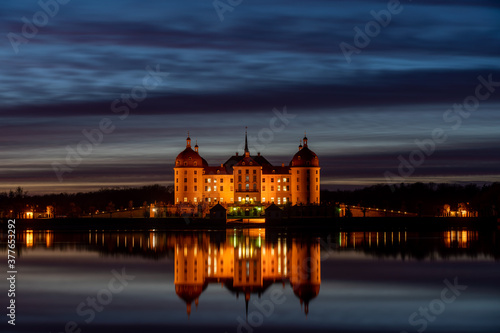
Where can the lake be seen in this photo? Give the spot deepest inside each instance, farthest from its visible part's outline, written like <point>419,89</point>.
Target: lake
<point>257,280</point>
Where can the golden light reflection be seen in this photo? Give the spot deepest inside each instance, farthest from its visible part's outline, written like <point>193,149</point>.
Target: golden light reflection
<point>29,238</point>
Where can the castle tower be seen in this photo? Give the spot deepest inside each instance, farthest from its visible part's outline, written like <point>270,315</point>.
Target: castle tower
<point>188,174</point>
<point>305,176</point>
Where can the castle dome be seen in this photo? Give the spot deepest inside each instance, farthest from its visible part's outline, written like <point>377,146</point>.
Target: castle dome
<point>305,157</point>
<point>190,158</point>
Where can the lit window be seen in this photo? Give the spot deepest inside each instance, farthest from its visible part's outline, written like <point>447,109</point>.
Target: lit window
<point>247,186</point>
<point>264,199</point>
<point>247,178</point>
<point>239,199</point>
<point>215,188</point>
<point>284,200</point>
<point>209,180</point>
<point>215,181</point>
<point>185,199</point>
<point>272,199</point>
<point>279,201</point>
<point>279,180</point>
<point>195,199</point>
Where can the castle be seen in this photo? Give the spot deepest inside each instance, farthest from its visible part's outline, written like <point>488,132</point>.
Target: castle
<point>245,179</point>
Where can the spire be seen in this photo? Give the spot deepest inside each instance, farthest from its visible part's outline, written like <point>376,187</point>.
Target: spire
<point>305,139</point>
<point>300,144</point>
<point>196,146</point>
<point>247,153</point>
<point>188,141</point>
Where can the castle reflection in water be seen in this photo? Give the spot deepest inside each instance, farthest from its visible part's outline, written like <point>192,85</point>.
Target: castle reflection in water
<point>247,261</point>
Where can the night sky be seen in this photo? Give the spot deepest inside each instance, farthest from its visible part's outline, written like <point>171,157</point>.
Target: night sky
<point>363,111</point>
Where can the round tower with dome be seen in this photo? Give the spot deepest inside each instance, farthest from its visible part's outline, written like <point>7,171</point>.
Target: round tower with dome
<point>188,173</point>
<point>305,176</point>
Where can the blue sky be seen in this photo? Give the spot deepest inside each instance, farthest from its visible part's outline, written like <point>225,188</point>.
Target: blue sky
<point>360,116</point>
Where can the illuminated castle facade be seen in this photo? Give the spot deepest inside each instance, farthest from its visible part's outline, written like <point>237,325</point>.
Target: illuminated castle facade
<point>247,179</point>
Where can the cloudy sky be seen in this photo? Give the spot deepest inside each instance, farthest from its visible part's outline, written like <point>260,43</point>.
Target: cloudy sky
<point>379,101</point>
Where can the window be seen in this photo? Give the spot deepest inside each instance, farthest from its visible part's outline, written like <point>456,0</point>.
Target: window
<point>239,178</point>
<point>284,180</point>
<point>263,180</point>
<point>298,171</point>
<point>272,199</point>
<point>177,188</point>
<point>239,172</point>
<point>185,180</point>
<point>185,163</point>
<point>239,187</point>
<point>298,188</point>
<point>279,188</point>
<point>298,180</point>
<point>222,180</point>
<point>231,188</point>
<point>263,187</point>
<point>195,172</point>
<point>316,187</point>
<point>196,180</point>
<point>247,186</point>
<point>195,199</point>
<point>177,172</point>
<point>272,188</point>
<point>247,178</point>
<point>279,180</point>
<point>206,188</point>
<point>254,178</point>
<point>284,188</point>
<point>206,180</point>
<point>185,199</point>
<point>231,180</point>
<point>222,188</point>
<point>215,181</point>
<point>316,179</point>
<point>215,188</point>
<point>185,172</point>
<point>272,180</point>
<point>176,180</point>
<point>263,199</point>
<point>316,171</point>
<point>255,187</point>
<point>185,188</point>
<point>284,200</point>
<point>195,163</point>
<point>196,188</point>
<point>247,171</point>
<point>279,201</point>
<point>255,172</point>
<point>209,180</point>
<point>239,199</point>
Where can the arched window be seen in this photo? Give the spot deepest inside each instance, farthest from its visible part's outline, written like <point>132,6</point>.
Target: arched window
<point>195,163</point>
<point>185,163</point>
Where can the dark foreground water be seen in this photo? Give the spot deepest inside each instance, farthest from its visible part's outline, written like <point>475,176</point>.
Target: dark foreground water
<point>253,280</point>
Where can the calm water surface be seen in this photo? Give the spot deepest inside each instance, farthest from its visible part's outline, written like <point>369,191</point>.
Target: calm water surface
<point>253,280</point>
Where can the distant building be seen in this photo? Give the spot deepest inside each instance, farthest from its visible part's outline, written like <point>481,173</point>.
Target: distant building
<point>245,179</point>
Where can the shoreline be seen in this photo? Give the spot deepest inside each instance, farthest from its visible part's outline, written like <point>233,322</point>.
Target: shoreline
<point>299,224</point>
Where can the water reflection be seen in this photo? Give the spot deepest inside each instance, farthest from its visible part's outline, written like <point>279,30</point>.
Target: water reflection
<point>248,262</point>
<point>245,263</point>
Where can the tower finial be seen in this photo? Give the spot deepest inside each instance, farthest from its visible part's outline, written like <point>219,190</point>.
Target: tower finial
<point>305,139</point>
<point>247,153</point>
<point>196,146</point>
<point>188,141</point>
